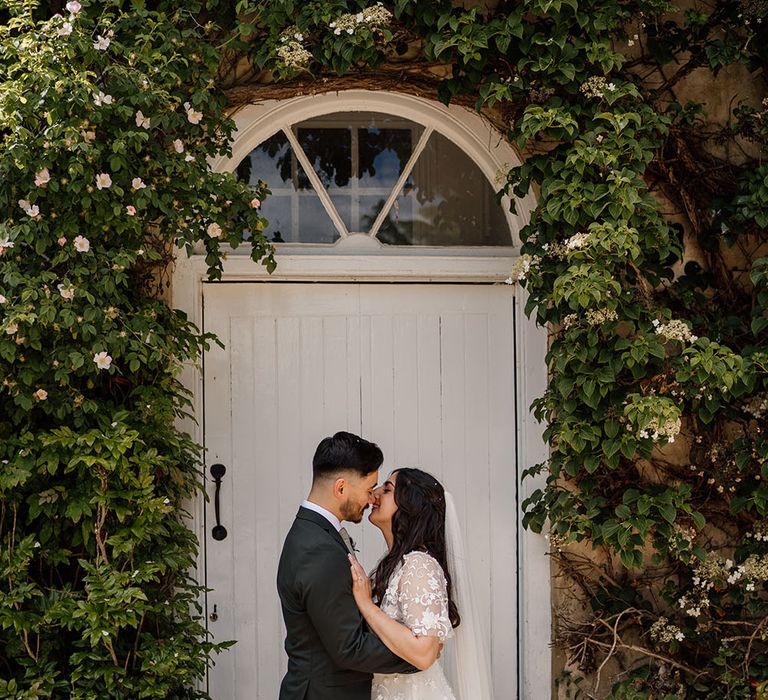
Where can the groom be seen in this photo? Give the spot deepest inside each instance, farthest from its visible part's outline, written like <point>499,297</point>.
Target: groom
<point>331,653</point>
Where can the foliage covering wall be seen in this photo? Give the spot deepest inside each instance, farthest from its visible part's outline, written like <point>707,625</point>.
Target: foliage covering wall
<point>646,258</point>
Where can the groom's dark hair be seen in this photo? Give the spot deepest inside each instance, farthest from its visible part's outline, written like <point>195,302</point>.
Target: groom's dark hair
<point>345,452</point>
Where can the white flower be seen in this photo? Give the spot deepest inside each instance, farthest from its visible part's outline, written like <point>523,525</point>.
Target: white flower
<point>37,545</point>
<point>11,328</point>
<point>5,243</point>
<point>255,203</point>
<point>42,177</point>
<point>214,230</point>
<point>141,120</point>
<point>31,210</point>
<point>41,394</point>
<point>101,43</point>
<point>73,7</point>
<point>66,292</point>
<point>137,184</point>
<point>82,244</point>
<point>578,240</point>
<point>103,180</point>
<point>166,501</point>
<point>2,299</point>
<point>178,146</point>
<point>193,115</point>
<point>101,98</point>
<point>65,29</point>
<point>102,360</point>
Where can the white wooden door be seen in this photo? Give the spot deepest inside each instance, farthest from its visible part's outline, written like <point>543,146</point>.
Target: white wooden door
<point>424,370</point>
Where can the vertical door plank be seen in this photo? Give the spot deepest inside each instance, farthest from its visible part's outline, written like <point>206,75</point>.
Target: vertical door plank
<point>237,512</point>
<point>265,477</point>
<point>218,444</point>
<point>476,467</point>
<point>504,506</point>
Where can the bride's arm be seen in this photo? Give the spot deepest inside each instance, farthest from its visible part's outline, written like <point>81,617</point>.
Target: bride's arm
<point>419,651</point>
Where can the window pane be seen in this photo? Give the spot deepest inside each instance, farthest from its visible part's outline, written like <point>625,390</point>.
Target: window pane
<point>383,155</point>
<point>289,221</point>
<point>271,162</point>
<point>330,152</point>
<point>446,202</point>
<point>315,226</point>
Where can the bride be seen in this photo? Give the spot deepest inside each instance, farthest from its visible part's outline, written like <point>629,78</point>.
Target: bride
<point>410,600</point>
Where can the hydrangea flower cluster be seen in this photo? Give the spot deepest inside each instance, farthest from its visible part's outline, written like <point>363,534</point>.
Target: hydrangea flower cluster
<point>674,330</point>
<point>578,240</point>
<point>596,86</point>
<point>757,405</point>
<point>291,50</point>
<point>655,417</point>
<point>522,267</point>
<point>664,632</point>
<point>597,317</point>
<point>372,17</point>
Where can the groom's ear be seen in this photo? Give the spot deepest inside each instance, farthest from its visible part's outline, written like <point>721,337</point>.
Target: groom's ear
<point>339,485</point>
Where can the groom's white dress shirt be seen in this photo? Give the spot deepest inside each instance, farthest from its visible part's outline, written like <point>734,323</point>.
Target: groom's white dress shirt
<point>330,517</point>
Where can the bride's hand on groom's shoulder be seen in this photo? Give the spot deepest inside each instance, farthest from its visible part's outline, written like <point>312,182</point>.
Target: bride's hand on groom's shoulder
<point>361,585</point>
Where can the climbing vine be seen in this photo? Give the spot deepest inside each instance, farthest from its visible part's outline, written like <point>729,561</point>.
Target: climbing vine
<point>646,259</point>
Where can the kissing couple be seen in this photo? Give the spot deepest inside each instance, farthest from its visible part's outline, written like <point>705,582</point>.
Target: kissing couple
<point>351,636</point>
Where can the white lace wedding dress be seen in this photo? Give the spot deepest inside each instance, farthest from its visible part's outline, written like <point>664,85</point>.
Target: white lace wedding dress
<point>417,596</point>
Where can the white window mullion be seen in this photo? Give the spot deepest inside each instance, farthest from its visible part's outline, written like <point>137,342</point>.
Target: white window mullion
<point>420,146</point>
<point>322,193</point>
<point>354,206</point>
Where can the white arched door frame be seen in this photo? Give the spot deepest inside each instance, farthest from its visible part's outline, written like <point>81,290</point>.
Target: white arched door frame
<point>358,257</point>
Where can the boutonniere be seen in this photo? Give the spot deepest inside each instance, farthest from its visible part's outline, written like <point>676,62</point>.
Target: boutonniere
<point>349,543</point>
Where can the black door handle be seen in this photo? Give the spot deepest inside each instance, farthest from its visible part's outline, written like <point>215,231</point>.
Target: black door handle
<point>218,532</point>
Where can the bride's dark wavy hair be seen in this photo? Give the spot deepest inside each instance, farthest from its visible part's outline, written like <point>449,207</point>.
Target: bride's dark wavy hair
<point>418,524</point>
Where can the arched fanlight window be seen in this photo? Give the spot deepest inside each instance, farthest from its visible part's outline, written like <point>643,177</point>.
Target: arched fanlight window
<point>378,174</point>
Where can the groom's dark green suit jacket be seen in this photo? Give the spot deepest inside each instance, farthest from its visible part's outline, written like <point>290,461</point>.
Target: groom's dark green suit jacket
<point>331,652</point>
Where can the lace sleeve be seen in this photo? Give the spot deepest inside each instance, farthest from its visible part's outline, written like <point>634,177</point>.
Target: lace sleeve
<point>423,596</point>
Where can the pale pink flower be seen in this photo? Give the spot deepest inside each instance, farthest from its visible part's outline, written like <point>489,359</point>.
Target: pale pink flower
<point>62,241</point>
<point>102,360</point>
<point>41,394</point>
<point>31,210</point>
<point>189,157</point>
<point>255,202</point>
<point>73,7</point>
<point>178,146</point>
<point>103,180</point>
<point>141,120</point>
<point>82,244</point>
<point>137,184</point>
<point>88,135</point>
<point>101,98</point>
<point>12,328</point>
<point>214,230</point>
<point>65,29</point>
<point>130,210</point>
<point>2,299</point>
<point>42,177</point>
<point>193,115</point>
<point>101,43</point>
<point>67,293</point>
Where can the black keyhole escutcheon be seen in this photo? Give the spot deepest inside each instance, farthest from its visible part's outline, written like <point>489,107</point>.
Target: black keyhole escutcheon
<point>218,532</point>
